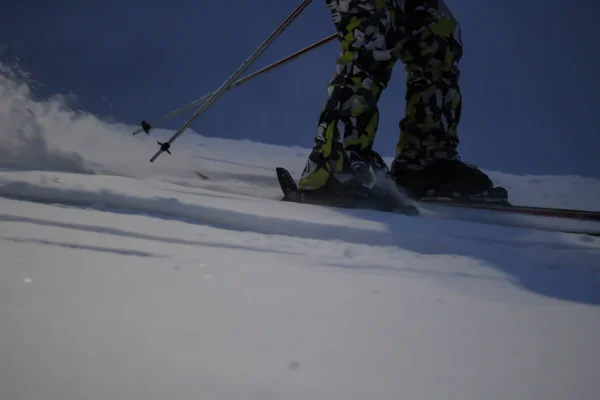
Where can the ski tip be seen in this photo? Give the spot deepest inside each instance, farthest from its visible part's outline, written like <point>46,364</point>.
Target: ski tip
<point>286,181</point>
<point>281,172</point>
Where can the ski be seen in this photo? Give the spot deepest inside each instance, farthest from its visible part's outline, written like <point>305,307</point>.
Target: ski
<point>583,215</point>
<point>496,202</point>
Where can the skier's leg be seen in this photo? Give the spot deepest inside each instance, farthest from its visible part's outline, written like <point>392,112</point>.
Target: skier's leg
<point>428,139</point>
<point>350,117</point>
<point>431,52</point>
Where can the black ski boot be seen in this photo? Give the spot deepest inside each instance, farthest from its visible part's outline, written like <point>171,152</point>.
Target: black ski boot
<point>448,179</point>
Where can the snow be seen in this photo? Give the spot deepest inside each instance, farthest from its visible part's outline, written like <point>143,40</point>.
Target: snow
<point>124,279</point>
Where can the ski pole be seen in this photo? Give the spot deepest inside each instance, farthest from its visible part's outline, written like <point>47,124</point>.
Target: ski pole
<point>210,101</point>
<point>147,126</point>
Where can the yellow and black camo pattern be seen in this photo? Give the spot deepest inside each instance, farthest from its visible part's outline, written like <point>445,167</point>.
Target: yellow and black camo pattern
<point>374,34</point>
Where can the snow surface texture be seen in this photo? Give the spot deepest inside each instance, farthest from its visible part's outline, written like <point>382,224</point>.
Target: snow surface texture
<point>121,279</point>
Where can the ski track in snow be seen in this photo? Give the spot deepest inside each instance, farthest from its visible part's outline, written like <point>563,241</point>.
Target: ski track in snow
<point>125,279</point>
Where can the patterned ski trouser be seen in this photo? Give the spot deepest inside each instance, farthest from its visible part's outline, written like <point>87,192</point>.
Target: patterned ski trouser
<point>374,34</point>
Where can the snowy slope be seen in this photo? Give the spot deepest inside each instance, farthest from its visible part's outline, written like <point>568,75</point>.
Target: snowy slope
<point>121,279</point>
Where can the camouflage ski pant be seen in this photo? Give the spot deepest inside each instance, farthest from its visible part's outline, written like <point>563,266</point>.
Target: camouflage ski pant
<point>374,34</point>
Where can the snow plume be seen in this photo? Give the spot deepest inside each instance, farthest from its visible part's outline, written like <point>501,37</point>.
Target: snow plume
<point>23,138</point>
<point>50,134</point>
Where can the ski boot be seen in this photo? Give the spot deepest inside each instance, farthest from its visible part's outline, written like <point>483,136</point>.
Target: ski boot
<point>447,180</point>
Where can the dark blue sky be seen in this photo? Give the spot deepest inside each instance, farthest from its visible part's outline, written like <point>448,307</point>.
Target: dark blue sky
<point>529,74</point>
